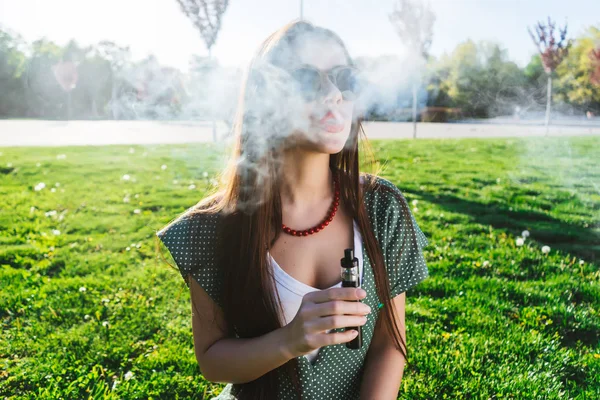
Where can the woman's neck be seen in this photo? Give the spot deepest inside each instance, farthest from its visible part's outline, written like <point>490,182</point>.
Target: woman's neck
<point>306,179</point>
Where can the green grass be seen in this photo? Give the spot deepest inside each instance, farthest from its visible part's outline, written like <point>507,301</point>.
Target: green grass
<point>494,320</point>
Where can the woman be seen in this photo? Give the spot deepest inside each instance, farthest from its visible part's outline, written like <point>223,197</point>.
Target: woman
<point>264,250</point>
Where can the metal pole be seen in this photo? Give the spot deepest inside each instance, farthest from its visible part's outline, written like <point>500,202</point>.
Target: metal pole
<point>414,110</point>
<point>214,125</point>
<point>548,103</point>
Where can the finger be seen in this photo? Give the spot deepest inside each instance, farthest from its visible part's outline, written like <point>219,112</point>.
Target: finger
<point>322,296</point>
<point>340,307</point>
<point>323,324</point>
<point>338,337</point>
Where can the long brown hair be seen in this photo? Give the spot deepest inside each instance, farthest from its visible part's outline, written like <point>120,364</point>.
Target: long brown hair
<point>248,203</point>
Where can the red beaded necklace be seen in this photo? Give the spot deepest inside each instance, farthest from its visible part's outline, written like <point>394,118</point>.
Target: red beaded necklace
<point>332,210</point>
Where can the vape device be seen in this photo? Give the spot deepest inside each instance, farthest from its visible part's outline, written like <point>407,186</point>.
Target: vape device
<point>351,278</point>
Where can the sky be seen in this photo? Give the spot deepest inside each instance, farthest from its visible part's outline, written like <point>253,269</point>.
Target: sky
<point>159,27</point>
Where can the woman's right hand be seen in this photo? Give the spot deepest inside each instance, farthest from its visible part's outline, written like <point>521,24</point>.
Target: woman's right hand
<point>321,311</point>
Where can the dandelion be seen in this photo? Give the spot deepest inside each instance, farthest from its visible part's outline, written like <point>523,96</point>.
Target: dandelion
<point>86,317</point>
<point>39,186</point>
<point>55,232</point>
<point>525,234</point>
<point>192,187</point>
<point>9,164</point>
<point>415,202</point>
<point>127,248</point>
<point>114,385</point>
<point>82,289</point>
<point>497,180</point>
<point>105,324</point>
<point>137,196</point>
<point>32,209</point>
<point>57,184</point>
<point>214,182</point>
<point>50,213</point>
<point>520,241</point>
<point>126,199</point>
<point>163,167</point>
<point>126,177</point>
<point>53,190</point>
<point>175,181</point>
<point>205,174</point>
<point>128,375</point>
<point>486,263</point>
<point>61,156</point>
<point>38,164</point>
<point>105,300</point>
<point>137,211</point>
<point>546,249</point>
<point>415,209</point>
<point>581,262</point>
<point>131,150</point>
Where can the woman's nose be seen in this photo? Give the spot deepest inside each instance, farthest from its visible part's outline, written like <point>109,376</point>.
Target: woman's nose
<point>333,94</point>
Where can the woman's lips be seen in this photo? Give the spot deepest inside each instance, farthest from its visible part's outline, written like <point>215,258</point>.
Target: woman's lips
<point>331,123</point>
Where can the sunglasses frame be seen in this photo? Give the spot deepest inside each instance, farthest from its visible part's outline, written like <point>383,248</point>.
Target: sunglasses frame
<point>332,75</point>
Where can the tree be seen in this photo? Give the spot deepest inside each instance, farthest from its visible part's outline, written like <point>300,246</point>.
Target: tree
<point>479,79</point>
<point>552,51</point>
<point>595,57</point>
<point>212,89</point>
<point>576,73</point>
<point>12,68</point>
<point>120,63</point>
<point>206,16</point>
<point>413,22</point>
<point>45,97</point>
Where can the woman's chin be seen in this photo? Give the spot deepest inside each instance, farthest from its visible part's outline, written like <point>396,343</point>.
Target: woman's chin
<point>333,140</point>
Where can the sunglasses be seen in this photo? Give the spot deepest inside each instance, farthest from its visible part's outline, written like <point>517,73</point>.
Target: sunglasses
<point>313,81</point>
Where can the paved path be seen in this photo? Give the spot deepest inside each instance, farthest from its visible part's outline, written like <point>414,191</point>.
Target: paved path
<point>64,133</point>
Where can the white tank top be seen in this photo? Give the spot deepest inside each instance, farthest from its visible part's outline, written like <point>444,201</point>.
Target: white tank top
<point>291,290</point>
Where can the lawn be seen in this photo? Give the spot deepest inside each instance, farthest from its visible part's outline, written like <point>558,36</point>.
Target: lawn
<point>511,308</point>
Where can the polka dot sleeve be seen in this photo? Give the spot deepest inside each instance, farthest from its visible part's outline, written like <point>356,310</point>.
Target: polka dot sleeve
<point>404,243</point>
<point>191,240</point>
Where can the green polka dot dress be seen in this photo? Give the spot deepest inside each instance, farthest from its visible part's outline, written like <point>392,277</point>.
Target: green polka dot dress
<point>336,372</point>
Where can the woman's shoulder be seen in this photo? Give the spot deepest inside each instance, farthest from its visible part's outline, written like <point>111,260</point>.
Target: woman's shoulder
<point>382,192</point>
<point>191,238</point>
<point>191,223</point>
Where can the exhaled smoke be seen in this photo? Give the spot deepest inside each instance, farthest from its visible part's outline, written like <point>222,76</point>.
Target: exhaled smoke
<point>278,110</point>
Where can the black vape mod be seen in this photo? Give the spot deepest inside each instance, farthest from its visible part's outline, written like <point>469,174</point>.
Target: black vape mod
<point>351,278</point>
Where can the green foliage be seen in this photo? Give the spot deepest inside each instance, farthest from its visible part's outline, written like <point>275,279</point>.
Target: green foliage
<point>494,320</point>
<point>12,66</point>
<point>574,83</point>
<point>479,79</point>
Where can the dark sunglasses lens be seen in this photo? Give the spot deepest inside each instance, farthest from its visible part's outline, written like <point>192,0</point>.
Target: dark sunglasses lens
<point>347,81</point>
<point>309,80</point>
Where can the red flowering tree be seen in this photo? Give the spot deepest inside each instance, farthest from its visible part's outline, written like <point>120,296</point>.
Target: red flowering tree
<point>552,51</point>
<point>595,57</point>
